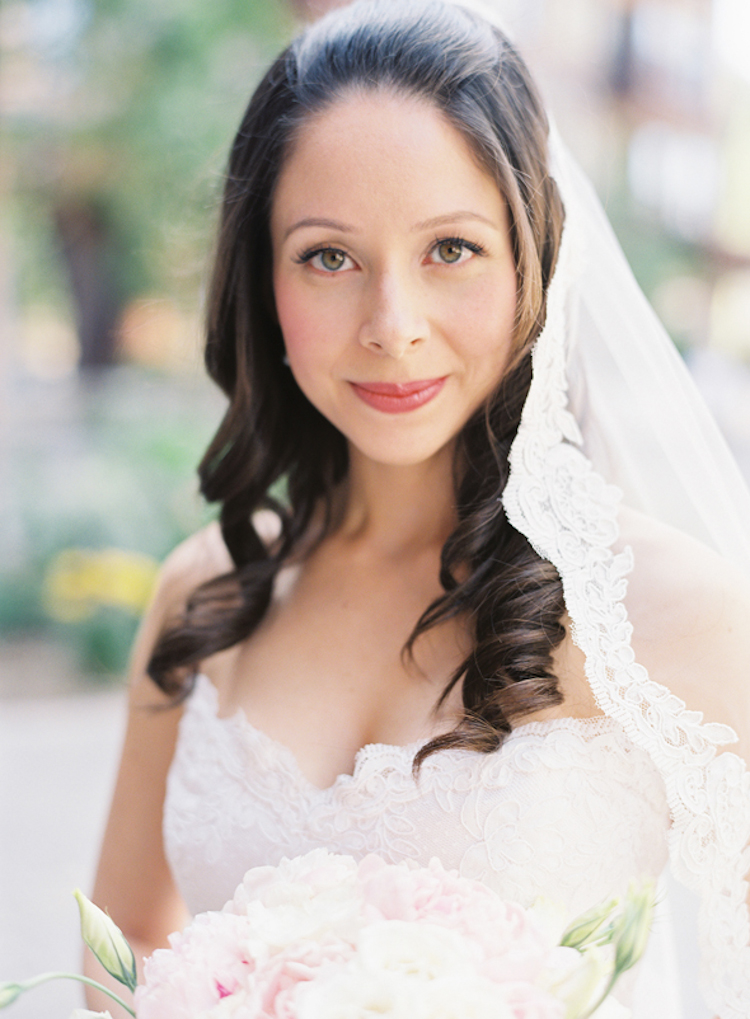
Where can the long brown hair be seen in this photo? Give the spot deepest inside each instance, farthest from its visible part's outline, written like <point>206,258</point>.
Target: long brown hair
<point>272,436</point>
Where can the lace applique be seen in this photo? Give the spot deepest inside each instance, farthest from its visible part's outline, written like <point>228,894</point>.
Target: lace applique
<point>568,513</point>
<point>568,809</point>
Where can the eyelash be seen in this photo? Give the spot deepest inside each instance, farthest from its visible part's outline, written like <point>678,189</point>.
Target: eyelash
<point>460,242</point>
<point>309,253</point>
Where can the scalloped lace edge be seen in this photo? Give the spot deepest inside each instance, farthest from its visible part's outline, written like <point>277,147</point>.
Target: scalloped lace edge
<point>569,515</point>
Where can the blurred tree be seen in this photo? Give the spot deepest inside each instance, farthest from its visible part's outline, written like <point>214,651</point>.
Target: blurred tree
<point>310,10</point>
<point>116,116</point>
<point>115,120</point>
<point>87,244</point>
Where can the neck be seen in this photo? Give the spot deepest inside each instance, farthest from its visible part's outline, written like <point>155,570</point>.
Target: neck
<point>398,510</point>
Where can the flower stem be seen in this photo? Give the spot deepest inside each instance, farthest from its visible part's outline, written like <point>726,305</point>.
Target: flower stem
<point>43,978</point>
<point>612,981</point>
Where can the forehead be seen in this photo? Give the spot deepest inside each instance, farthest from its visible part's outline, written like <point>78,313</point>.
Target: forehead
<point>385,152</point>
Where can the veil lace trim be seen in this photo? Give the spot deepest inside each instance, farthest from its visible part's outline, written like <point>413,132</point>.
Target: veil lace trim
<point>569,514</point>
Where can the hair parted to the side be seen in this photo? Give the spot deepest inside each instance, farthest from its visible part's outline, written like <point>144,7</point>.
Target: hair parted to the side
<point>511,599</point>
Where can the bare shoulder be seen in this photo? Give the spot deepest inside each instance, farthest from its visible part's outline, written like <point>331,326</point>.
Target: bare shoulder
<point>198,559</point>
<point>204,556</point>
<point>690,610</point>
<point>201,558</point>
<point>676,572</point>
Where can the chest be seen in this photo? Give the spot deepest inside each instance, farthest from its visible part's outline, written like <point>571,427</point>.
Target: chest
<point>326,672</point>
<point>568,808</point>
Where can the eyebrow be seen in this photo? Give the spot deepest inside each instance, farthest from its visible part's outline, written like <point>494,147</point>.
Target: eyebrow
<point>329,224</point>
<point>453,217</point>
<point>427,224</point>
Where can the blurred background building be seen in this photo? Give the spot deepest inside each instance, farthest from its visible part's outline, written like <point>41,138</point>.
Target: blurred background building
<point>654,98</point>
<point>115,117</point>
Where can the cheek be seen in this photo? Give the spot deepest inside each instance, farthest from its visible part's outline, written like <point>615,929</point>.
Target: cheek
<point>488,323</point>
<point>297,325</point>
<point>312,339</point>
<point>303,336</point>
<point>312,328</point>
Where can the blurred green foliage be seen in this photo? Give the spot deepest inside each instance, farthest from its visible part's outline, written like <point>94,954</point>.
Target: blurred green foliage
<point>118,471</point>
<point>143,101</point>
<point>132,109</point>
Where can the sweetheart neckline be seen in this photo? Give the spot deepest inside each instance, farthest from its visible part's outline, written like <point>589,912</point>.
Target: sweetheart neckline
<point>239,719</point>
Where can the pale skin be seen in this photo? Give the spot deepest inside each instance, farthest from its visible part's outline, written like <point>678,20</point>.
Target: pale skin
<point>417,285</point>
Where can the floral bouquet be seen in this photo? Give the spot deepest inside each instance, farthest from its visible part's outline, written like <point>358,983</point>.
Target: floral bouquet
<point>324,937</point>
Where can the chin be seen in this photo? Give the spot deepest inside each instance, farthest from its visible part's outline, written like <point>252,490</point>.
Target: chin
<point>401,454</point>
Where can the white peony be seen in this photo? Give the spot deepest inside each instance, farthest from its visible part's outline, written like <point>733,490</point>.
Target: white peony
<point>421,950</point>
<point>455,997</point>
<point>355,993</point>
<point>305,899</point>
<point>611,1009</point>
<point>234,1006</point>
<point>352,994</point>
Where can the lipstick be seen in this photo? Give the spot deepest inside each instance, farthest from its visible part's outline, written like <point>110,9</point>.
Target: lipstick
<point>398,397</point>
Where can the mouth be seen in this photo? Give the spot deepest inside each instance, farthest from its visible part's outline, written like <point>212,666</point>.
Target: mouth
<point>398,397</point>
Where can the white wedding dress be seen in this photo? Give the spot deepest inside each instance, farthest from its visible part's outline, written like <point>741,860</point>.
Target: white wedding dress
<point>567,809</point>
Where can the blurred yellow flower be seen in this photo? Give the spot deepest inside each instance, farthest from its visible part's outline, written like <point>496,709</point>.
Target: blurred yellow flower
<point>80,580</point>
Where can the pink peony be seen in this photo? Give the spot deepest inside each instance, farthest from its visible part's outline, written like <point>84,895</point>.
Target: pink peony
<point>203,963</point>
<point>509,937</point>
<point>322,937</point>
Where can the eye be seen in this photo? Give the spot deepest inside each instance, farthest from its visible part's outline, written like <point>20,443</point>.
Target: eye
<point>327,260</point>
<point>453,250</point>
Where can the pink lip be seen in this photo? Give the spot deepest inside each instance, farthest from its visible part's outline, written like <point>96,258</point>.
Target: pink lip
<point>397,397</point>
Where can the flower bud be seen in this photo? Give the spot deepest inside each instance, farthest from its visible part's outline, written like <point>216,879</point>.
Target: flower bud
<point>107,942</point>
<point>578,978</point>
<point>84,1013</point>
<point>8,993</point>
<point>582,930</point>
<point>634,926</point>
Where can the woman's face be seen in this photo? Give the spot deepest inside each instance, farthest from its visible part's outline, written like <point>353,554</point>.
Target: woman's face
<point>393,274</point>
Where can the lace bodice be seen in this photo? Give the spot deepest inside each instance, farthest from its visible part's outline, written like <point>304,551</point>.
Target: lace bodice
<point>568,809</point>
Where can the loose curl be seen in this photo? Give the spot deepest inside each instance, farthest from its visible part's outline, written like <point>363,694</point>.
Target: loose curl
<point>511,598</point>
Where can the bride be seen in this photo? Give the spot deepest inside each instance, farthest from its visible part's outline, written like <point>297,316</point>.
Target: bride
<point>477,590</point>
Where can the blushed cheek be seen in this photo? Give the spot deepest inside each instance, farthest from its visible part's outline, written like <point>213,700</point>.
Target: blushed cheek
<point>291,314</point>
<point>306,319</point>
<point>311,341</point>
<point>493,319</point>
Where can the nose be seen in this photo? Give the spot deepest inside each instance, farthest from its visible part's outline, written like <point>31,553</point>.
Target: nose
<point>395,322</point>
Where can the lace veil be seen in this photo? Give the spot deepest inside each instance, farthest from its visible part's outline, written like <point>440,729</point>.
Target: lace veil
<point>614,431</point>
<point>613,424</point>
